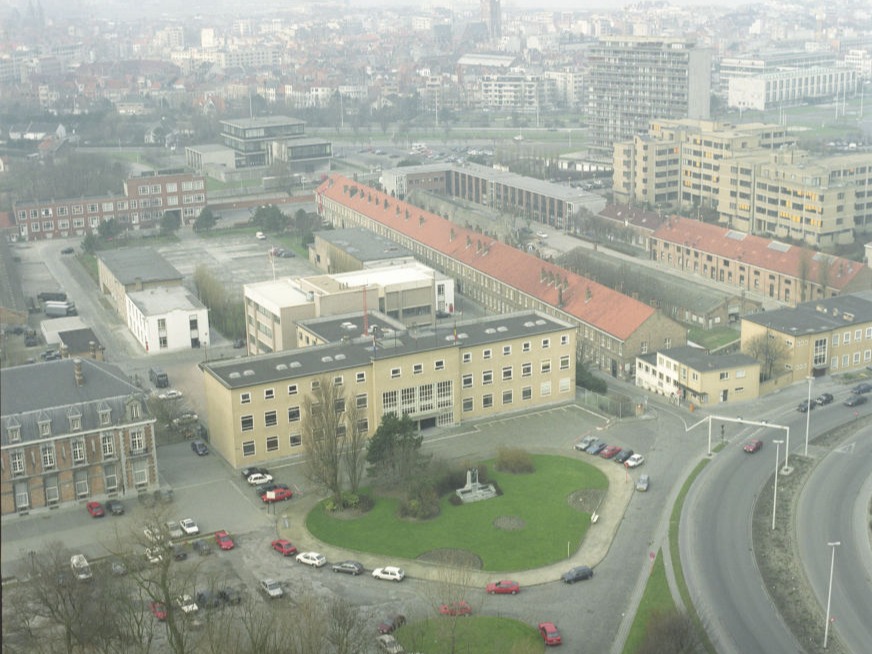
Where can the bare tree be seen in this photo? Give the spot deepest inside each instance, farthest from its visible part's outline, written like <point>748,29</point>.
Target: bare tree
<point>354,453</point>
<point>671,632</point>
<point>770,351</point>
<point>324,431</point>
<point>803,273</point>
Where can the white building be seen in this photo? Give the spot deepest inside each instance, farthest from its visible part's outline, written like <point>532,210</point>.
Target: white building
<point>167,319</point>
<point>792,87</point>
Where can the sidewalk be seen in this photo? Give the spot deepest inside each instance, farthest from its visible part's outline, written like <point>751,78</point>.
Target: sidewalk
<point>290,524</point>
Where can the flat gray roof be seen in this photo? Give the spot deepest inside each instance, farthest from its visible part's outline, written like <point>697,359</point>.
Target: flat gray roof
<point>333,329</point>
<point>363,244</point>
<point>263,121</point>
<point>819,316</point>
<point>699,359</point>
<point>129,265</point>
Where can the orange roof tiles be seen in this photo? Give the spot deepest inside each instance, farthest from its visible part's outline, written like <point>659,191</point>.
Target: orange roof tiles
<point>756,251</point>
<point>590,302</point>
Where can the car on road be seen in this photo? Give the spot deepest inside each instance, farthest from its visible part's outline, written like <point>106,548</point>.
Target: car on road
<point>158,610</point>
<point>610,451</point>
<point>862,389</point>
<point>754,445</point>
<point>259,478</point>
<point>277,495</point>
<point>187,604</point>
<point>199,448</point>
<point>284,547</point>
<point>224,541</point>
<point>115,507</point>
<point>174,529</point>
<point>634,461</point>
<point>391,623</point>
<point>505,587</point>
<point>805,406</point>
<point>389,645</point>
<point>189,526</point>
<point>596,447</point>
<point>622,456</point>
<point>458,608</point>
<point>95,509</point>
<point>353,568</point>
<point>389,573</point>
<point>170,395</point>
<point>68,250</point>
<point>583,443</point>
<point>823,399</point>
<point>643,483</point>
<point>855,400</point>
<point>578,573</point>
<point>272,588</point>
<point>247,472</point>
<point>271,486</point>
<point>260,236</point>
<point>202,547</point>
<point>313,559</point>
<point>549,633</point>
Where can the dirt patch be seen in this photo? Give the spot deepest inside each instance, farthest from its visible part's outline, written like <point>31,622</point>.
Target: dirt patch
<point>453,557</point>
<point>586,500</point>
<point>510,523</point>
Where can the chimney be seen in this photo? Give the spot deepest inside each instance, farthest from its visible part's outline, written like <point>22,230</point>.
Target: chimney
<point>65,351</point>
<point>77,367</point>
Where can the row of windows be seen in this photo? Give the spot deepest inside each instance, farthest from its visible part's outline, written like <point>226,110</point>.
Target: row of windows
<point>508,395</point>
<point>295,440</point>
<point>294,389</point>
<point>106,207</point>
<point>75,423</point>
<point>849,360</point>
<point>845,337</point>
<point>270,418</point>
<point>78,452</point>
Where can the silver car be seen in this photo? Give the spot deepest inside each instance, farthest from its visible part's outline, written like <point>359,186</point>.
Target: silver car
<point>642,483</point>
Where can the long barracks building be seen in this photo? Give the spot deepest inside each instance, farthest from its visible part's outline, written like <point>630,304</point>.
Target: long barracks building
<point>612,329</point>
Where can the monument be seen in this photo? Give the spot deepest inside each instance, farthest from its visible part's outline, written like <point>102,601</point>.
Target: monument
<point>474,491</point>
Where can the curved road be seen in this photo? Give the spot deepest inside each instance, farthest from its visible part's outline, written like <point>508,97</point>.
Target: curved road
<point>834,507</point>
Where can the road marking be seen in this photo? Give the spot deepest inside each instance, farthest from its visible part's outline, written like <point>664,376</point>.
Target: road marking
<point>846,449</point>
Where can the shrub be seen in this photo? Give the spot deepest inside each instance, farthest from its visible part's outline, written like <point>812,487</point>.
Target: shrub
<point>513,459</point>
<point>422,503</point>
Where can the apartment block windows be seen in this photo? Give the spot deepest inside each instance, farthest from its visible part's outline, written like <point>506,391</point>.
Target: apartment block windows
<point>270,419</point>
<point>48,457</point>
<point>245,398</point>
<point>248,448</point>
<point>107,444</point>
<point>77,449</point>
<point>294,414</point>
<point>16,463</point>
<point>247,423</point>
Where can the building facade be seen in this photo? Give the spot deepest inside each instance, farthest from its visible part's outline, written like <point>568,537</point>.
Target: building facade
<point>789,88</point>
<point>72,430</point>
<point>474,369</point>
<point>128,270</point>
<point>167,319</point>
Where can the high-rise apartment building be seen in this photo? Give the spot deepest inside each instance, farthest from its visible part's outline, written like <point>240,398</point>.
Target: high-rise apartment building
<point>636,79</point>
<point>491,15</point>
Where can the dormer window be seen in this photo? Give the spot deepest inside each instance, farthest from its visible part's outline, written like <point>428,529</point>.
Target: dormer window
<point>14,433</point>
<point>45,428</point>
<point>105,417</point>
<point>75,422</point>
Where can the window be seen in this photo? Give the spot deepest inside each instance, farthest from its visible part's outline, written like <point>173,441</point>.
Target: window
<point>856,358</point>
<point>525,347</point>
<point>295,440</point>
<point>247,423</point>
<point>248,448</point>
<point>545,389</point>
<point>316,384</point>
<point>466,381</point>
<point>107,444</point>
<point>292,389</point>
<point>293,414</point>
<point>526,369</point>
<point>507,350</point>
<point>363,426</point>
<point>137,441</point>
<point>16,462</point>
<point>507,373</point>
<point>564,339</point>
<point>724,375</point>
<point>487,377</point>
<point>564,385</point>
<point>75,423</point>
<point>339,405</point>
<point>527,393</point>
<point>269,393</point>
<point>858,334</point>
<point>546,343</point>
<point>564,363</point>
<point>467,404</point>
<point>105,417</point>
<point>77,447</point>
<point>48,460</point>
<point>835,339</point>
<point>545,367</point>
<point>507,397</point>
<point>272,443</point>
<point>338,380</point>
<point>487,354</point>
<point>467,357</point>
<point>110,475</point>
<point>45,427</point>
<point>360,377</point>
<point>389,401</point>
<point>440,364</point>
<point>395,372</point>
<point>417,368</point>
<point>245,398</point>
<point>487,401</point>
<point>270,419</point>
<point>14,433</point>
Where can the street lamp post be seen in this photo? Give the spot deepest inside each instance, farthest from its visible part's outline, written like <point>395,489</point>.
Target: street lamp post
<point>775,492</point>
<point>832,545</point>
<point>808,414</point>
<point>786,449</point>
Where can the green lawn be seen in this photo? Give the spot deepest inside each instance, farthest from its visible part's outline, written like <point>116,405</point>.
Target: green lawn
<point>540,499</point>
<point>479,634</point>
<point>657,599</point>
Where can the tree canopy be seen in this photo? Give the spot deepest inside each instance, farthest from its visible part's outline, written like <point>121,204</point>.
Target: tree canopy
<point>393,452</point>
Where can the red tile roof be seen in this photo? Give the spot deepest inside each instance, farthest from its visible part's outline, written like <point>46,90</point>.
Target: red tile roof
<point>588,301</point>
<point>756,251</point>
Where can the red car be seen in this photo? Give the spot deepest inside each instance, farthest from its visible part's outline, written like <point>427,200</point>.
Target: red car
<point>95,509</point>
<point>159,611</point>
<point>224,541</point>
<point>753,446</point>
<point>284,547</point>
<point>549,633</point>
<point>456,608</point>
<point>505,587</point>
<point>277,495</point>
<point>610,451</point>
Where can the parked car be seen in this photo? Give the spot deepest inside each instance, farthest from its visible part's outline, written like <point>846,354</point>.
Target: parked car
<point>390,624</point>
<point>643,483</point>
<point>260,236</point>
<point>208,599</point>
<point>754,445</point>
<point>622,456</point>
<point>202,547</point>
<point>189,527</point>
<point>272,588</point>
<point>247,472</point>
<point>862,389</point>
<point>174,529</point>
<point>224,541</point>
<point>115,507</point>
<point>824,398</point>
<point>806,406</point>
<point>610,451</point>
<point>353,568</point>
<point>635,461</point>
<point>389,573</point>
<point>170,395</point>
<point>549,633</point>
<point>271,486</point>
<point>158,610</point>
<point>578,573</point>
<point>284,547</point>
<point>458,608</point>
<point>313,559</point>
<point>68,250</point>
<point>199,448</point>
<point>95,509</point>
<point>389,645</point>
<point>583,443</point>
<point>277,495</point>
<point>153,555</point>
<point>187,604</point>
<point>596,447</point>
<point>259,478</point>
<point>505,587</point>
<point>855,400</point>
<point>179,553</point>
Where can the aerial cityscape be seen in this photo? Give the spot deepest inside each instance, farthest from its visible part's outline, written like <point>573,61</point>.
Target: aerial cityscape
<point>455,327</point>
